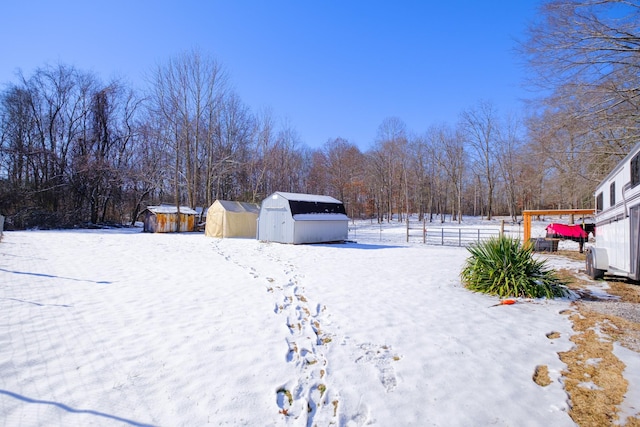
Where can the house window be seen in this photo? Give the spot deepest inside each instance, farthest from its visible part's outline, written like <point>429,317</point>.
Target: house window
<point>599,202</point>
<point>635,170</point>
<point>612,194</point>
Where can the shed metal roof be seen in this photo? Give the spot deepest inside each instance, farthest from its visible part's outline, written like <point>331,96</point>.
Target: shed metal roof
<point>170,209</point>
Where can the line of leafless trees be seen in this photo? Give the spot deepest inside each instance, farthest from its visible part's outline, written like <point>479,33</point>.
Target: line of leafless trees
<point>75,150</point>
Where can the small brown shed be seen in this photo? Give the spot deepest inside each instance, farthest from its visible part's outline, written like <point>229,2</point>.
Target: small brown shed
<point>164,219</point>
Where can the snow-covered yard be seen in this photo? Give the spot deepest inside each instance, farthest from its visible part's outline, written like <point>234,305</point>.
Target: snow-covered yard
<point>120,327</point>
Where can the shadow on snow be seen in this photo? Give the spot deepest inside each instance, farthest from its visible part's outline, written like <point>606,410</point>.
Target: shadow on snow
<point>73,410</point>
<point>55,277</point>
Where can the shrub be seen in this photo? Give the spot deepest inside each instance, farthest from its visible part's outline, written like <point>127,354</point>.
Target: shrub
<point>501,266</point>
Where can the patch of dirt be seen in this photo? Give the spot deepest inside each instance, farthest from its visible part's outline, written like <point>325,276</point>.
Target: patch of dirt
<point>541,376</point>
<point>593,377</point>
<point>574,255</point>
<point>627,291</point>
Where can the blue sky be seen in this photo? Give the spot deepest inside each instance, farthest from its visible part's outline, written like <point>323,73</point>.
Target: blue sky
<point>326,68</point>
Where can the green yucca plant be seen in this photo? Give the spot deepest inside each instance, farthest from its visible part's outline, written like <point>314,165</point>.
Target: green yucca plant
<point>501,266</point>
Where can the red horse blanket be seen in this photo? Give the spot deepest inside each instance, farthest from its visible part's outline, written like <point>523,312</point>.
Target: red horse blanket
<point>566,231</point>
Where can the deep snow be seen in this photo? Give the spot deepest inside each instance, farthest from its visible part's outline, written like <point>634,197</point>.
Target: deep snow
<point>120,327</point>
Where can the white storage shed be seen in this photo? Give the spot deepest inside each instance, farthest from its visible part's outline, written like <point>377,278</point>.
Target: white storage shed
<point>302,218</point>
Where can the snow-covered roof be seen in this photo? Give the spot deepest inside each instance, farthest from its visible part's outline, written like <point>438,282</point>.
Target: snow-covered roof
<point>301,197</point>
<point>170,209</point>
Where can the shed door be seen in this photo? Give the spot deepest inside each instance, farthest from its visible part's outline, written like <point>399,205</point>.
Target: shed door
<point>282,230</point>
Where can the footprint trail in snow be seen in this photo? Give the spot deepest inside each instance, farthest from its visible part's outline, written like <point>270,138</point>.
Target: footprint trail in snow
<point>308,397</point>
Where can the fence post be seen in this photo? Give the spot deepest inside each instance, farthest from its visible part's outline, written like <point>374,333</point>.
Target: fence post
<point>407,228</point>
<point>459,237</point>
<point>442,236</point>
<point>501,227</point>
<point>424,230</point>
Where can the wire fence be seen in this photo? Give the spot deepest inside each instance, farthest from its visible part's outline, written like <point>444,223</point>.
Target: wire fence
<point>456,236</point>
<point>435,233</point>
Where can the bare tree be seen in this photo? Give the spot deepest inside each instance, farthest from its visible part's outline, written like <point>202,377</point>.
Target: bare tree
<point>59,99</point>
<point>286,162</point>
<point>421,174</point>
<point>263,141</point>
<point>389,165</point>
<point>509,152</point>
<point>147,167</point>
<point>566,154</point>
<point>337,170</point>
<point>16,143</point>
<point>99,158</point>
<point>480,128</point>
<point>66,138</point>
<point>187,92</point>
<point>227,155</point>
<point>447,151</point>
<point>585,53</point>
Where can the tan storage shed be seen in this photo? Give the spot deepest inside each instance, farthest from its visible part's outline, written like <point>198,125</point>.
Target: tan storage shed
<point>232,219</point>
